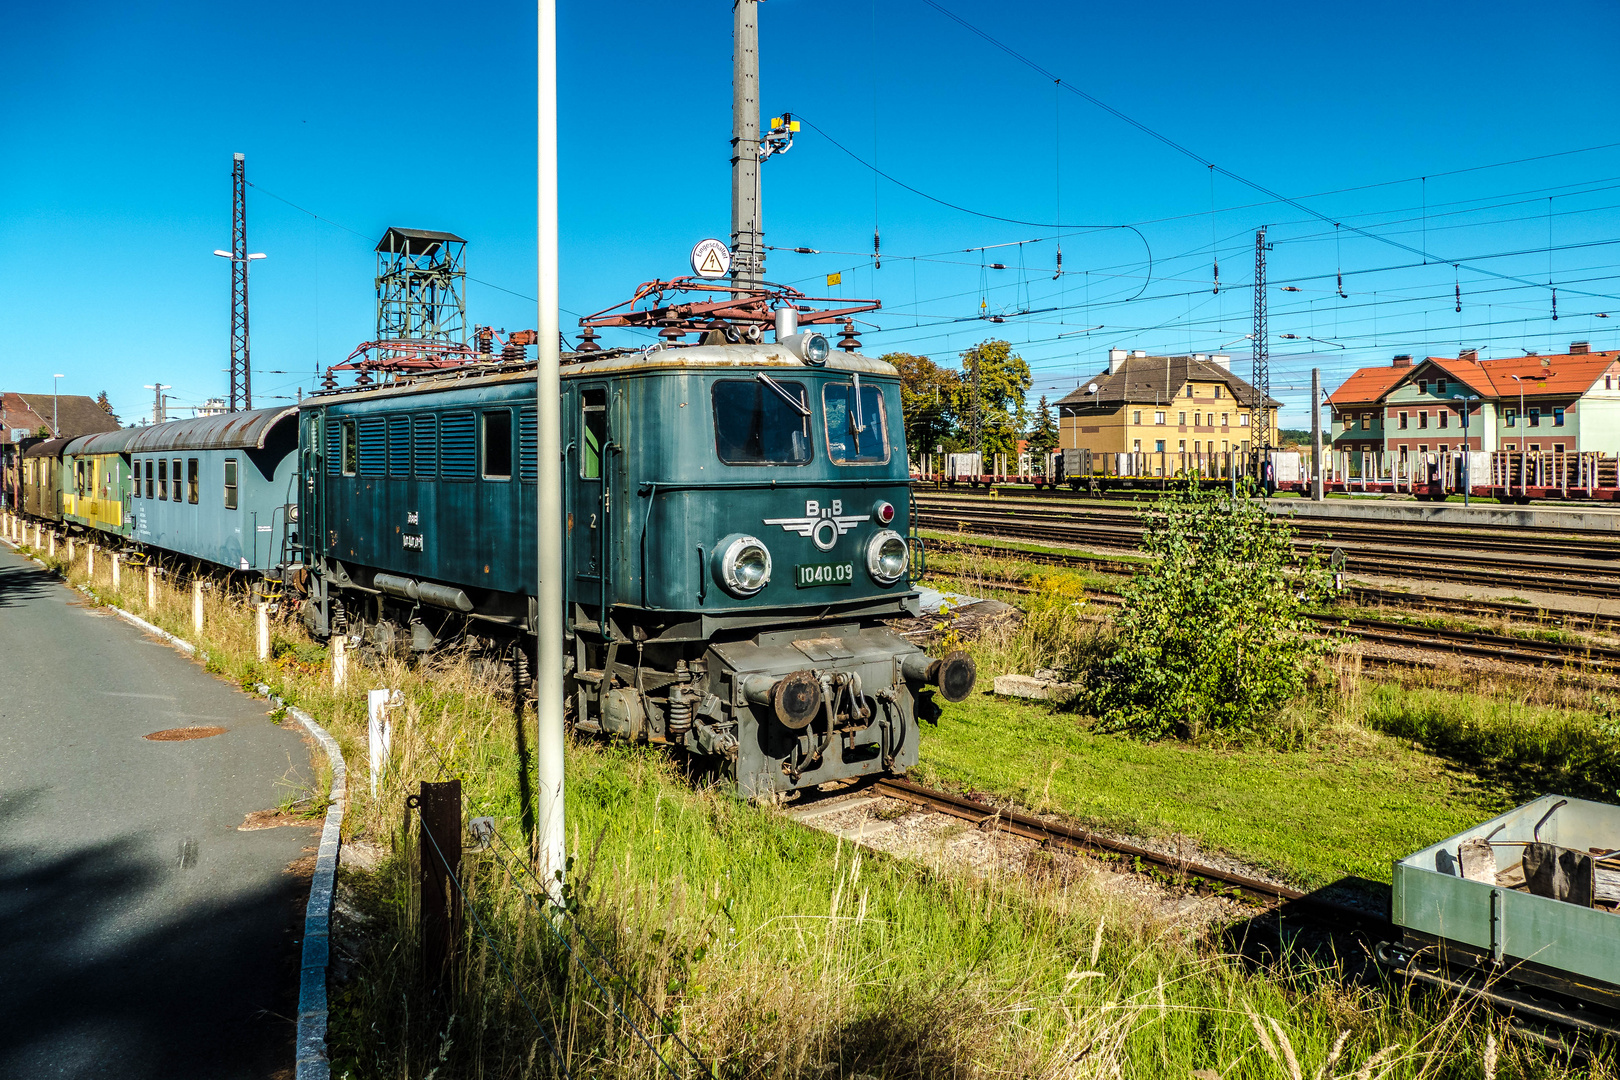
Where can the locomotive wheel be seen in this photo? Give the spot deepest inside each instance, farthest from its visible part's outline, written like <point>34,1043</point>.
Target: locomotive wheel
<point>796,700</point>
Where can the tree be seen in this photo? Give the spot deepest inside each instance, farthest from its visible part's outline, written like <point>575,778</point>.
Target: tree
<point>994,382</point>
<point>1212,638</point>
<point>106,404</point>
<point>1043,430</point>
<point>928,395</point>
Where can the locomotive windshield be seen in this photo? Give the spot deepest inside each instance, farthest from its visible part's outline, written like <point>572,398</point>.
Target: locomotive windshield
<point>761,422</point>
<point>856,433</point>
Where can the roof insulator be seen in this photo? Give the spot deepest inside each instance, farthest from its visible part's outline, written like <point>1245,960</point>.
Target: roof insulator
<point>849,338</point>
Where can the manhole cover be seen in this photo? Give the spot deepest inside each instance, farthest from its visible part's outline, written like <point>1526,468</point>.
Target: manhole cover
<point>181,734</point>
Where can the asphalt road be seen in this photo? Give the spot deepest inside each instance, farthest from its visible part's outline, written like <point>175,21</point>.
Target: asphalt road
<point>141,933</point>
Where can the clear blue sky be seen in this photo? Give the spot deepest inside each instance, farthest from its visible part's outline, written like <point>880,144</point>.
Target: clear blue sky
<point>120,121</point>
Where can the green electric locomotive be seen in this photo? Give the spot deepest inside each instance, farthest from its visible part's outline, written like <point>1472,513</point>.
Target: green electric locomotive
<point>738,533</point>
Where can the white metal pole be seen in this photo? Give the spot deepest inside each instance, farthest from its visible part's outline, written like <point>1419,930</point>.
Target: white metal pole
<point>549,741</point>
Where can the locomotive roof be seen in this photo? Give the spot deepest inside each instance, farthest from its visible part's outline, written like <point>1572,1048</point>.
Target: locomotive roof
<point>224,431</point>
<point>621,362</point>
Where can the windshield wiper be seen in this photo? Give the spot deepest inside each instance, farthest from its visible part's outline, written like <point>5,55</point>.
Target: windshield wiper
<point>860,419</point>
<point>803,409</point>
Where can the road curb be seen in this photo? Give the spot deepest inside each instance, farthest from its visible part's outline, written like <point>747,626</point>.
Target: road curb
<point>311,1058</point>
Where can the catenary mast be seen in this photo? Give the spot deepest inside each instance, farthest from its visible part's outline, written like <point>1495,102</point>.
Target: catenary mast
<point>747,231</point>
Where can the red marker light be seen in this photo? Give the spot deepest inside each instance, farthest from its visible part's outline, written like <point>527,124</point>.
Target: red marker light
<point>883,512</point>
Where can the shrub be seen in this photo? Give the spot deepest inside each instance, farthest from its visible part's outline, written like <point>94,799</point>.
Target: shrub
<point>1211,640</point>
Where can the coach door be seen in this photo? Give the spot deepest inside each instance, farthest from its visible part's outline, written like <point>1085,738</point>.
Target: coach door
<point>310,526</point>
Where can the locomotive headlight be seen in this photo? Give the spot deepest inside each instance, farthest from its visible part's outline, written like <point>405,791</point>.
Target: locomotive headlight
<point>887,557</point>
<point>816,349</point>
<point>742,565</point>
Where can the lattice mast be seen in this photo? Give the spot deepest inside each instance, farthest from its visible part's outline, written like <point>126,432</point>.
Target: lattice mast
<point>241,396</point>
<point>421,291</point>
<point>747,225</point>
<point>1261,378</point>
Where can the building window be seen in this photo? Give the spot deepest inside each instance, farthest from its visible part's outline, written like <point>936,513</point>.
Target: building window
<point>163,477</point>
<point>1243,419</point>
<point>1366,421</point>
<point>1608,382</point>
<point>1198,419</point>
<point>1217,392</point>
<point>1423,386</point>
<point>1136,417</point>
<point>1535,448</point>
<point>1158,446</point>
<point>1136,446</point>
<point>1558,416</point>
<point>1182,419</point>
<point>1403,421</point>
<point>230,478</point>
<point>1198,447</point>
<point>1423,448</point>
<point>1510,417</point>
<point>498,445</point>
<point>1158,418</point>
<point>1535,416</point>
<point>1223,419</point>
<point>1558,448</point>
<point>1440,388</point>
<point>1443,448</point>
<point>191,481</point>
<point>1445,418</point>
<point>1423,419</point>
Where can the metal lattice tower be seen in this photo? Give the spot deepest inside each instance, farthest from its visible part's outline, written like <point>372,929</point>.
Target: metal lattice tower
<point>241,372</point>
<point>421,284</point>
<point>747,228</point>
<point>1261,379</point>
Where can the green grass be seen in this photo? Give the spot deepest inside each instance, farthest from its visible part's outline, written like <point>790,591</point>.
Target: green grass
<point>1350,804</point>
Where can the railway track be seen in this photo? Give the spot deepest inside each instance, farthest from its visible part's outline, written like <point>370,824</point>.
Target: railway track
<point>1362,594</point>
<point>1188,874</point>
<point>1419,562</point>
<point>1495,540</point>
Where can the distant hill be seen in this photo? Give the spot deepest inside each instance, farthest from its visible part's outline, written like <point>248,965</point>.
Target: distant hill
<point>1293,437</point>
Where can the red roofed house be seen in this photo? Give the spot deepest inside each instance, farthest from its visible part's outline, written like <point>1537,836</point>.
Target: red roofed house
<point>1565,403</point>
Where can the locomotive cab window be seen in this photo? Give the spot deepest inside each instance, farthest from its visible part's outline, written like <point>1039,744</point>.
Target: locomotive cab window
<point>351,448</point>
<point>230,481</point>
<point>497,433</point>
<point>761,421</point>
<point>191,481</point>
<point>592,433</point>
<point>856,432</point>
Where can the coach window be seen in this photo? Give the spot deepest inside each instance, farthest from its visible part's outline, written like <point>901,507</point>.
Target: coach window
<point>163,478</point>
<point>856,432</point>
<point>761,421</point>
<point>135,471</point>
<point>498,445</point>
<point>230,483</point>
<point>177,495</point>
<point>149,488</point>
<point>351,448</point>
<point>592,432</point>
<point>191,481</point>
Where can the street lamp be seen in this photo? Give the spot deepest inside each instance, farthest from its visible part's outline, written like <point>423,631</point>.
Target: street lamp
<point>56,382</point>
<point>1468,476</point>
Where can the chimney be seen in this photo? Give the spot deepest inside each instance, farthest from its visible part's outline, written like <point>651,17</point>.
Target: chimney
<point>1403,360</point>
<point>1138,353</point>
<point>1116,360</point>
<point>1580,348</point>
<point>1222,361</point>
<point>1471,355</point>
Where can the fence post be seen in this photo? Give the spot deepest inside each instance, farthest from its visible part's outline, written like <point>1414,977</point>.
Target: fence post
<point>261,619</point>
<point>117,561</point>
<point>440,808</point>
<point>90,561</point>
<point>52,544</point>
<point>340,661</point>
<point>151,587</point>
<point>196,608</point>
<point>70,551</point>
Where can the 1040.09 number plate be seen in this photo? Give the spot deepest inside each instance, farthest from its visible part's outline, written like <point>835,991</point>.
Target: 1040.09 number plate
<point>809,575</point>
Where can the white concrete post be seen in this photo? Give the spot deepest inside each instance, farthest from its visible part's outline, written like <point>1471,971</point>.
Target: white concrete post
<point>340,661</point>
<point>70,551</point>
<point>151,587</point>
<point>196,608</point>
<point>51,544</point>
<point>117,561</point>
<point>90,560</point>
<point>261,617</point>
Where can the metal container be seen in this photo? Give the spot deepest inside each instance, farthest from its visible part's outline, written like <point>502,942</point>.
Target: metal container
<point>1465,909</point>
